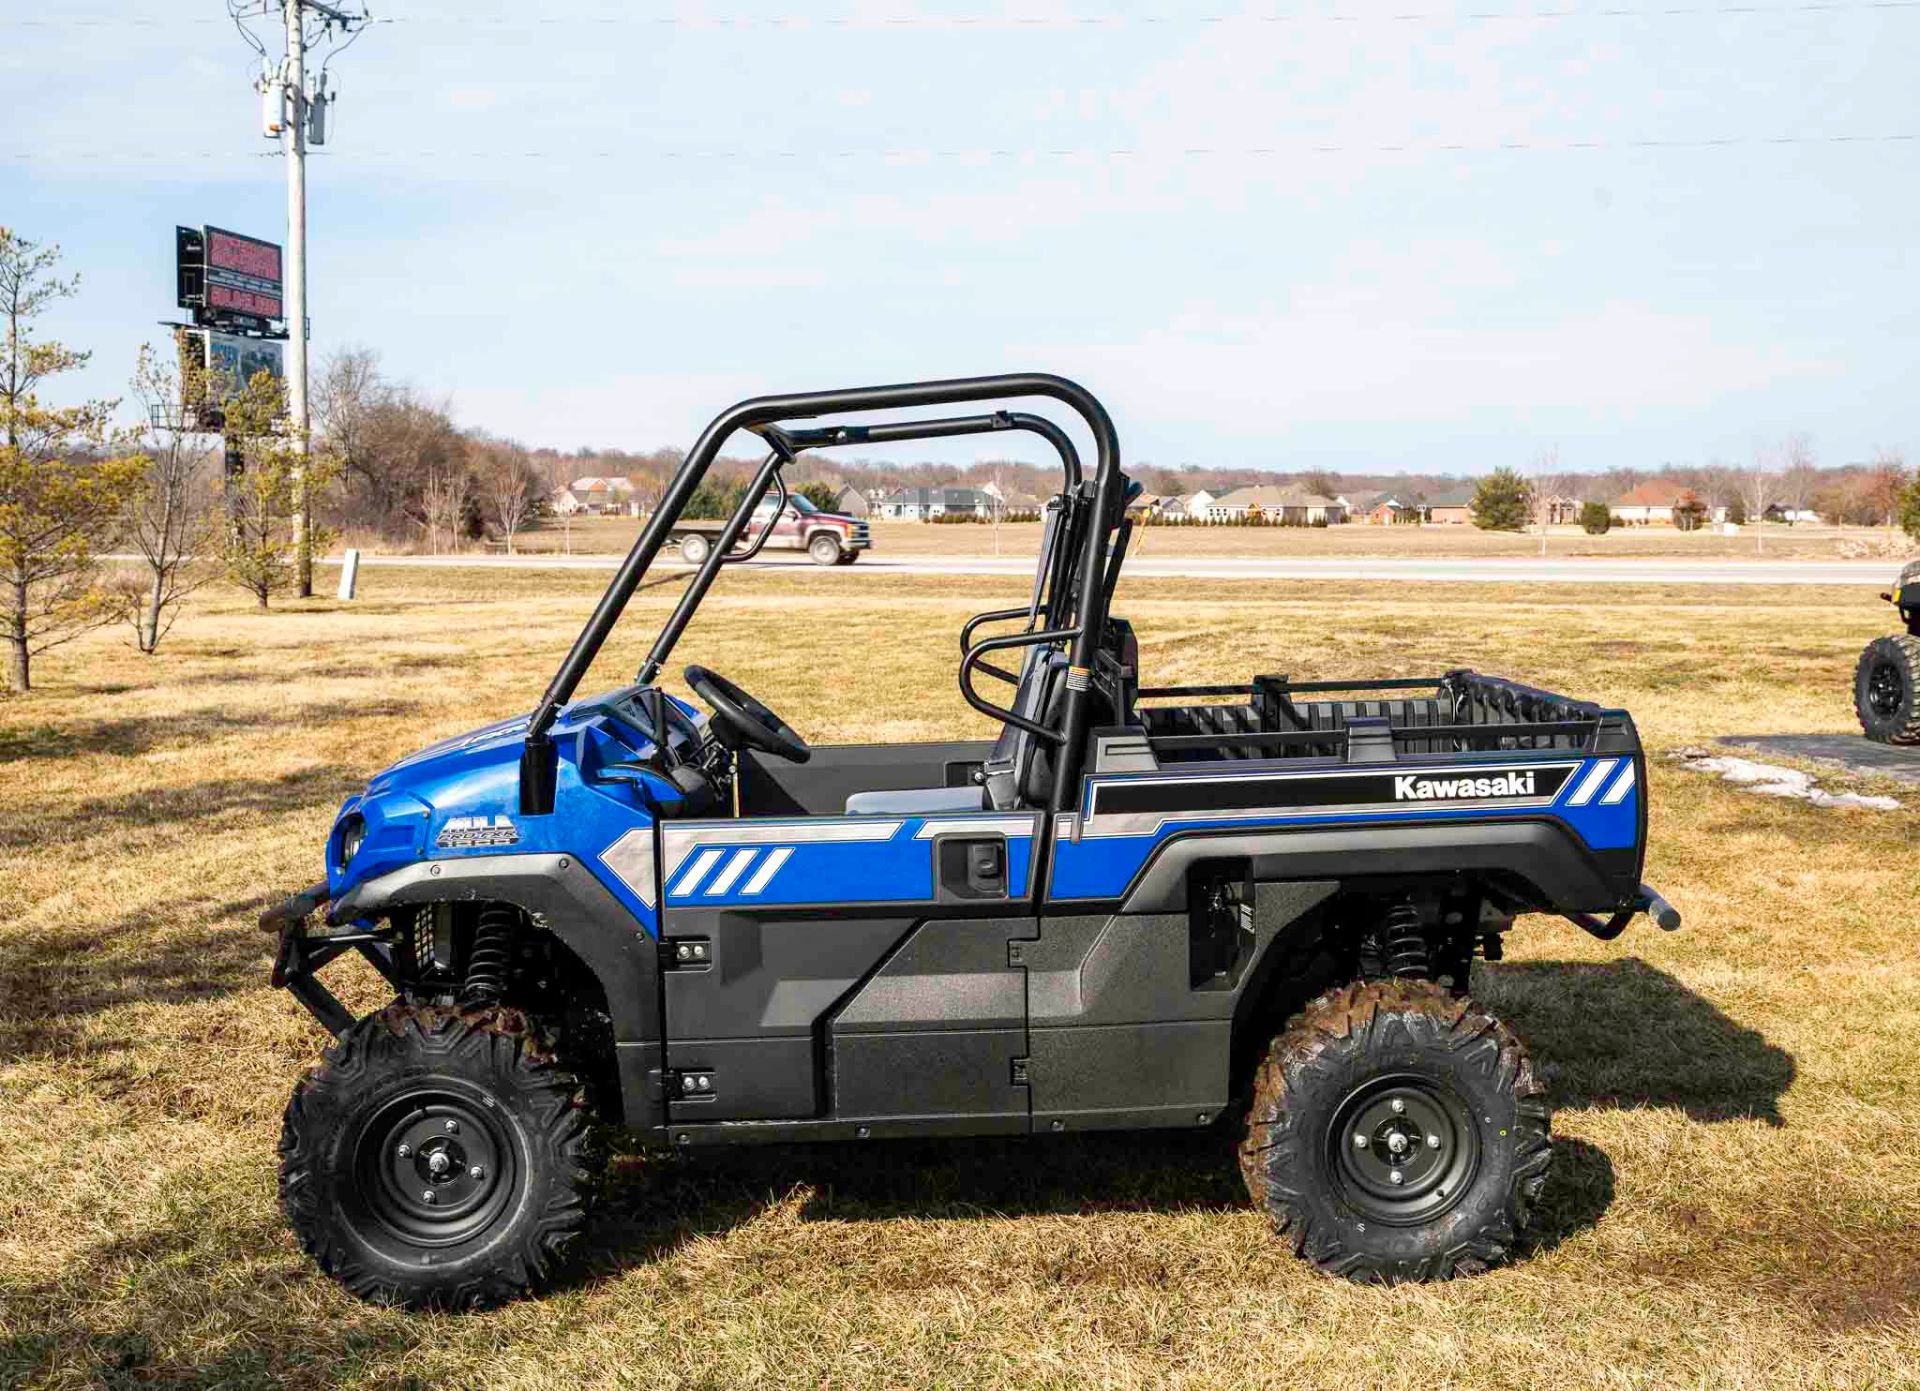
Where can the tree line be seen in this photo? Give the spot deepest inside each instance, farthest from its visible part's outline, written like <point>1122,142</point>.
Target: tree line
<point>389,462</point>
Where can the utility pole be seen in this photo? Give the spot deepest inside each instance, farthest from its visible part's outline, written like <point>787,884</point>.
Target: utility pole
<point>297,118</point>
<point>294,140</point>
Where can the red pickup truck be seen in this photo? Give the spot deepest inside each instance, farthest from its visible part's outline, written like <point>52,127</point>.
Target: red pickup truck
<point>828,538</point>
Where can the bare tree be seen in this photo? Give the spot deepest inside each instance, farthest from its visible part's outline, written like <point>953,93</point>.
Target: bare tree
<point>1886,482</point>
<point>443,501</point>
<point>1550,493</point>
<point>170,520</point>
<point>1758,488</point>
<point>348,395</point>
<point>508,486</point>
<point>1798,475</point>
<point>1718,487</point>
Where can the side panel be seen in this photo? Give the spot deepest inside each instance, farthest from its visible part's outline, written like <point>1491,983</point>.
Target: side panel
<point>1572,826</point>
<point>938,1031</point>
<point>1124,1031</point>
<point>835,965</point>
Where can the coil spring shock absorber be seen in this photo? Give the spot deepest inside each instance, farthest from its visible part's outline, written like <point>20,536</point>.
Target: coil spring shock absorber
<point>1404,950</point>
<point>490,956</point>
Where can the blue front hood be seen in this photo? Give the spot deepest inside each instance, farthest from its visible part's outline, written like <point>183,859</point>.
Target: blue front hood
<point>462,795</point>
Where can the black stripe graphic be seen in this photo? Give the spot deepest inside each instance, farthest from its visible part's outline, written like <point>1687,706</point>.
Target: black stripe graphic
<point>1387,787</point>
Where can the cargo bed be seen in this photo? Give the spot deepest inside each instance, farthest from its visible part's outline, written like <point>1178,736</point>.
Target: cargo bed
<point>1371,721</point>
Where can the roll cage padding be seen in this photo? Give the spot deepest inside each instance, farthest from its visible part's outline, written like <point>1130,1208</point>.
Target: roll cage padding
<point>538,757</point>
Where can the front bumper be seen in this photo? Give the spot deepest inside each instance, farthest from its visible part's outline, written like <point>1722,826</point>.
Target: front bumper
<point>301,955</point>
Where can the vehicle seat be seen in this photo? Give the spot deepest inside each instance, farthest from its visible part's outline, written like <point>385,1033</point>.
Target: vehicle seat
<point>1019,769</point>
<point>1016,771</point>
<point>915,801</point>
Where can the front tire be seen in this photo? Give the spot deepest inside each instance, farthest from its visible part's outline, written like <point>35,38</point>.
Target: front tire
<point>437,1158</point>
<point>693,549</point>
<point>824,550</point>
<point>1397,1133</point>
<point>1886,689</point>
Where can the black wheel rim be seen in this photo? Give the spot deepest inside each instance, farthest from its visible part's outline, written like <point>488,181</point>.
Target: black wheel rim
<point>1404,1150</point>
<point>1886,689</point>
<point>435,1167</point>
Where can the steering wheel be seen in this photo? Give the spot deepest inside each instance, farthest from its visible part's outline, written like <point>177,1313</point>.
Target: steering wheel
<point>745,719</point>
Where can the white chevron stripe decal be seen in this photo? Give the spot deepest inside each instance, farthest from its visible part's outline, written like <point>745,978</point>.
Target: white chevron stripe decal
<point>768,868</point>
<point>724,879</point>
<point>1622,785</point>
<point>702,865</point>
<point>1592,782</point>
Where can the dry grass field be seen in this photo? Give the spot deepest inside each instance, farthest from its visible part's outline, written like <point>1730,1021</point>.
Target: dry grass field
<point>607,535</point>
<point>1737,1105</point>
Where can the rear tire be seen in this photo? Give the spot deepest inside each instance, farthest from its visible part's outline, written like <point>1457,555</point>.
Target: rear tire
<point>1886,689</point>
<point>1455,1130</point>
<point>693,549</point>
<point>438,1158</point>
<point>824,550</point>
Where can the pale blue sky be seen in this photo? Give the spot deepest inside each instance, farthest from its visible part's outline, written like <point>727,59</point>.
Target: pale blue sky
<point>585,225</point>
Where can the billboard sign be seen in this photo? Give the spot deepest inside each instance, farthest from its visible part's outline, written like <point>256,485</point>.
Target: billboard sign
<point>235,359</point>
<point>228,361</point>
<point>225,274</point>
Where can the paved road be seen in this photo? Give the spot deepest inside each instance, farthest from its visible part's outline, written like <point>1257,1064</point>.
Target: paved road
<point>1492,569</point>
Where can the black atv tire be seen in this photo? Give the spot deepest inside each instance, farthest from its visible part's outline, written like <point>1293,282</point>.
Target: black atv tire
<point>466,1105</point>
<point>1403,1064</point>
<point>1886,690</point>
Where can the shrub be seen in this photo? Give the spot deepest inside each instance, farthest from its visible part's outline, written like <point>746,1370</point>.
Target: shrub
<point>1501,502</point>
<point>1595,519</point>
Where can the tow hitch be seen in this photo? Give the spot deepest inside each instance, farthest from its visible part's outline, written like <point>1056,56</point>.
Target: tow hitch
<point>1664,915</point>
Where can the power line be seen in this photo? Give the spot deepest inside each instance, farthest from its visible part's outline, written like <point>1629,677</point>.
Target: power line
<point>1038,21</point>
<point>985,155</point>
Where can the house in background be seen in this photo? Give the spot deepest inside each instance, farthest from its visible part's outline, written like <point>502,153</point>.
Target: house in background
<point>566,503</point>
<point>599,496</point>
<point>1781,512</point>
<point>851,502</point>
<point>1452,507</point>
<point>1382,509</point>
<point>924,504</point>
<point>1563,510</point>
<point>1277,506</point>
<point>1650,502</point>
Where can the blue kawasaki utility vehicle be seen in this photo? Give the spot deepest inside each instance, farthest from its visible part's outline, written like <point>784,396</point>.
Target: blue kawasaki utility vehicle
<point>1139,906</point>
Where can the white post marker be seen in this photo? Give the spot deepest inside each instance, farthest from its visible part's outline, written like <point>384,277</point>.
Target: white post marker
<point>349,574</point>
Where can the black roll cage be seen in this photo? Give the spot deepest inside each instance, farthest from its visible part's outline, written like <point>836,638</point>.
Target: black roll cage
<point>1075,586</point>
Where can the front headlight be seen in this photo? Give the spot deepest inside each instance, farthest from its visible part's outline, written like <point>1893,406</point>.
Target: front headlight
<point>352,831</point>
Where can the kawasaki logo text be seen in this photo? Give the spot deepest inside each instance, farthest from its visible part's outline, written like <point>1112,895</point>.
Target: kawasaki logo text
<point>1414,789</point>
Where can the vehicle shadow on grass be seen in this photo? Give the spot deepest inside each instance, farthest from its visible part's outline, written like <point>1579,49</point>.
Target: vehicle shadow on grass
<point>1626,1035</point>
<point>1615,1034</point>
<point>651,1207</point>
